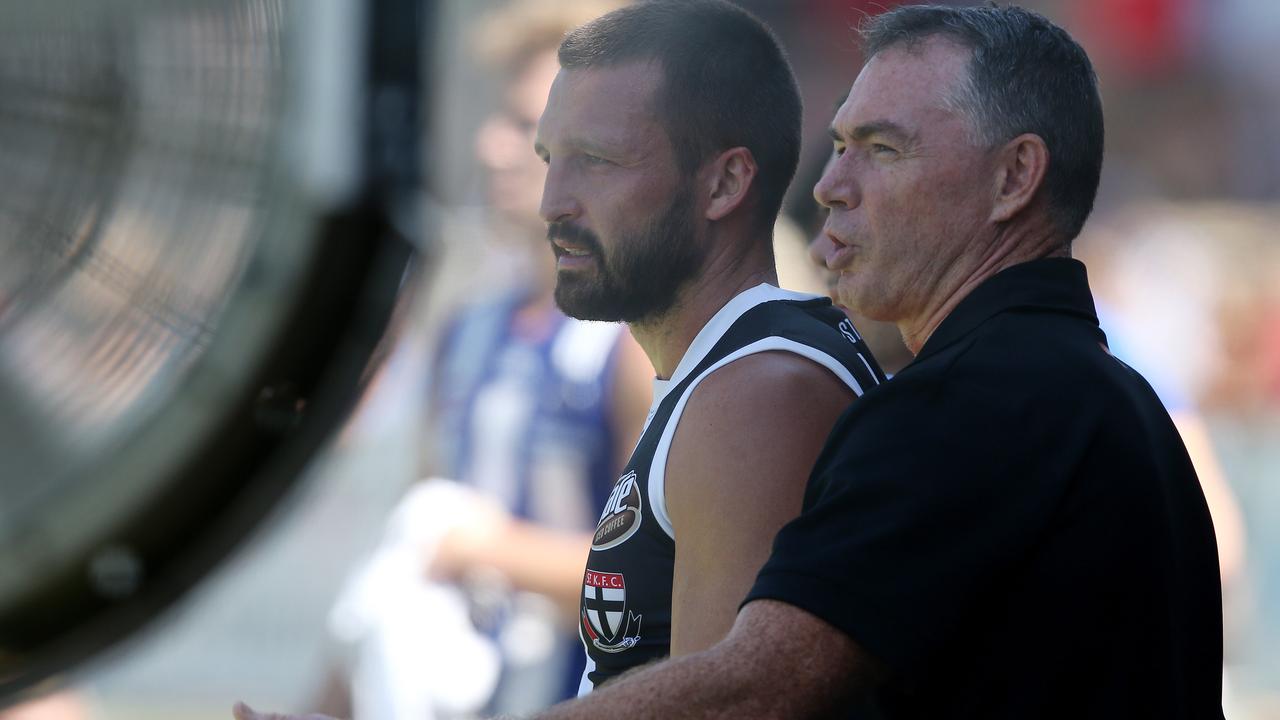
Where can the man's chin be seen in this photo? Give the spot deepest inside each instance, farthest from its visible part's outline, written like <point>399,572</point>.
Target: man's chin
<point>601,305</point>
<point>865,306</point>
<point>853,297</point>
<point>582,303</point>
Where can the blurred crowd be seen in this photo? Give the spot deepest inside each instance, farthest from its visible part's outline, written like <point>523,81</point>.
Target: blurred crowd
<point>519,416</point>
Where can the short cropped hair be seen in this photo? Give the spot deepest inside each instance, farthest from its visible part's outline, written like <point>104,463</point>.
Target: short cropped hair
<point>1026,75</point>
<point>726,83</point>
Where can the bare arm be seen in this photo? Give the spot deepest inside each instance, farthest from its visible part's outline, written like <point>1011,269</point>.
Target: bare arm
<point>736,474</point>
<point>778,661</point>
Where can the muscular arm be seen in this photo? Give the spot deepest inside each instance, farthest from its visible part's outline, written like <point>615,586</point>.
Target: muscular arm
<point>777,661</point>
<point>736,474</point>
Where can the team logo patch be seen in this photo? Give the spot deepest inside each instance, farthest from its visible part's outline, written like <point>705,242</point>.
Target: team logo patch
<point>604,606</point>
<point>621,516</point>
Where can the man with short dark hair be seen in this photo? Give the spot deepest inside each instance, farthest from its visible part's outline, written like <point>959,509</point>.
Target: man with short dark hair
<point>1011,527</point>
<point>671,135</point>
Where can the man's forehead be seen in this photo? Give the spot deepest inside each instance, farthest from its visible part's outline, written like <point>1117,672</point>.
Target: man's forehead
<point>902,85</point>
<point>620,94</point>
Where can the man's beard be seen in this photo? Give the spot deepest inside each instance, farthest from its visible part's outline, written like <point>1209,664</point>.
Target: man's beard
<point>641,277</point>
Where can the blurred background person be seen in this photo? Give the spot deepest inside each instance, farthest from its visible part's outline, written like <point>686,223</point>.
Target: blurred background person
<point>470,604</point>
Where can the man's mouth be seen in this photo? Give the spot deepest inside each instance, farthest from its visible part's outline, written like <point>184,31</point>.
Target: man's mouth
<point>572,256</point>
<point>839,257</point>
<point>570,242</point>
<point>571,251</point>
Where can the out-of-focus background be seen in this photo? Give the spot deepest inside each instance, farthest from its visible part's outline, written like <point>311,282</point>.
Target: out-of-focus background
<point>1182,251</point>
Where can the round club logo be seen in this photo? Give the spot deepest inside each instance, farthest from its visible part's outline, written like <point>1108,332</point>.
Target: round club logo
<point>621,516</point>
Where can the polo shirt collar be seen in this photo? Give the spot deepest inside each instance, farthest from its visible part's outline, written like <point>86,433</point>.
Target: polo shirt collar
<point>1055,285</point>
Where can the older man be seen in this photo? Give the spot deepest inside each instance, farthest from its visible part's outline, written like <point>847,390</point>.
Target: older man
<point>1011,527</point>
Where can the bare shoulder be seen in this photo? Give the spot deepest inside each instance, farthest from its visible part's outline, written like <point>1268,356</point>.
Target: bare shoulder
<point>758,422</point>
<point>766,388</point>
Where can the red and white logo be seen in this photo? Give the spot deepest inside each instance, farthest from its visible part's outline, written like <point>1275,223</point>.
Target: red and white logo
<point>604,607</point>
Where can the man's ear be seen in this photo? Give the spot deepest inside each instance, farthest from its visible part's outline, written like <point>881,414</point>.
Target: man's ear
<point>1019,173</point>
<point>728,181</point>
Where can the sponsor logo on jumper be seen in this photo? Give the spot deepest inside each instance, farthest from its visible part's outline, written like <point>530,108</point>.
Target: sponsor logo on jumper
<point>621,515</point>
<point>604,606</point>
<point>849,332</point>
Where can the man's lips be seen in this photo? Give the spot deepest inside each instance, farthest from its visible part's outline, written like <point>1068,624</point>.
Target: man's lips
<point>837,254</point>
<point>564,249</point>
<point>571,241</point>
<point>572,255</point>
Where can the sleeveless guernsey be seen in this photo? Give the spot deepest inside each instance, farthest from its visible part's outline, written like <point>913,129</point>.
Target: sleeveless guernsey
<point>625,617</point>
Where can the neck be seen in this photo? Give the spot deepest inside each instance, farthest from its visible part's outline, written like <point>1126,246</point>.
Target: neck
<point>1007,248</point>
<point>726,273</point>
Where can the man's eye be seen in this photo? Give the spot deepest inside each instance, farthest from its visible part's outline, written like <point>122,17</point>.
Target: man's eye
<point>880,149</point>
<point>595,159</point>
<point>839,150</point>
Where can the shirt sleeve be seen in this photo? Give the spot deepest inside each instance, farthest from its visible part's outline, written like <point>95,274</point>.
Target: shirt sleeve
<point>924,495</point>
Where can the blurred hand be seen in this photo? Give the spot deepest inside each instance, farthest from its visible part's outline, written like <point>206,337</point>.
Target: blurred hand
<point>477,541</point>
<point>244,712</point>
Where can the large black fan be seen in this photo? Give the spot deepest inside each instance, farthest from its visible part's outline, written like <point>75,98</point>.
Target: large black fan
<point>201,241</point>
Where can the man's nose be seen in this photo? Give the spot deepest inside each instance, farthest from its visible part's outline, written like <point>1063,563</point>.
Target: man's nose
<point>837,188</point>
<point>558,200</point>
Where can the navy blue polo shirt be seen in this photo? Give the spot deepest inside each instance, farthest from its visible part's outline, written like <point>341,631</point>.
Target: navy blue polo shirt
<point>1012,525</point>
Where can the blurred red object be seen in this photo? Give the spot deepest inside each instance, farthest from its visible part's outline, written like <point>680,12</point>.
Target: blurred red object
<point>1140,39</point>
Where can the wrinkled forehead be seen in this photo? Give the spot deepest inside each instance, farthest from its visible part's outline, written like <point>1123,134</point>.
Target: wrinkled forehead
<point>909,85</point>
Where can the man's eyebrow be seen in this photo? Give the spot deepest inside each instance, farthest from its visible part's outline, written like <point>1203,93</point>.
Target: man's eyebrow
<point>884,128</point>
<point>589,145</point>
